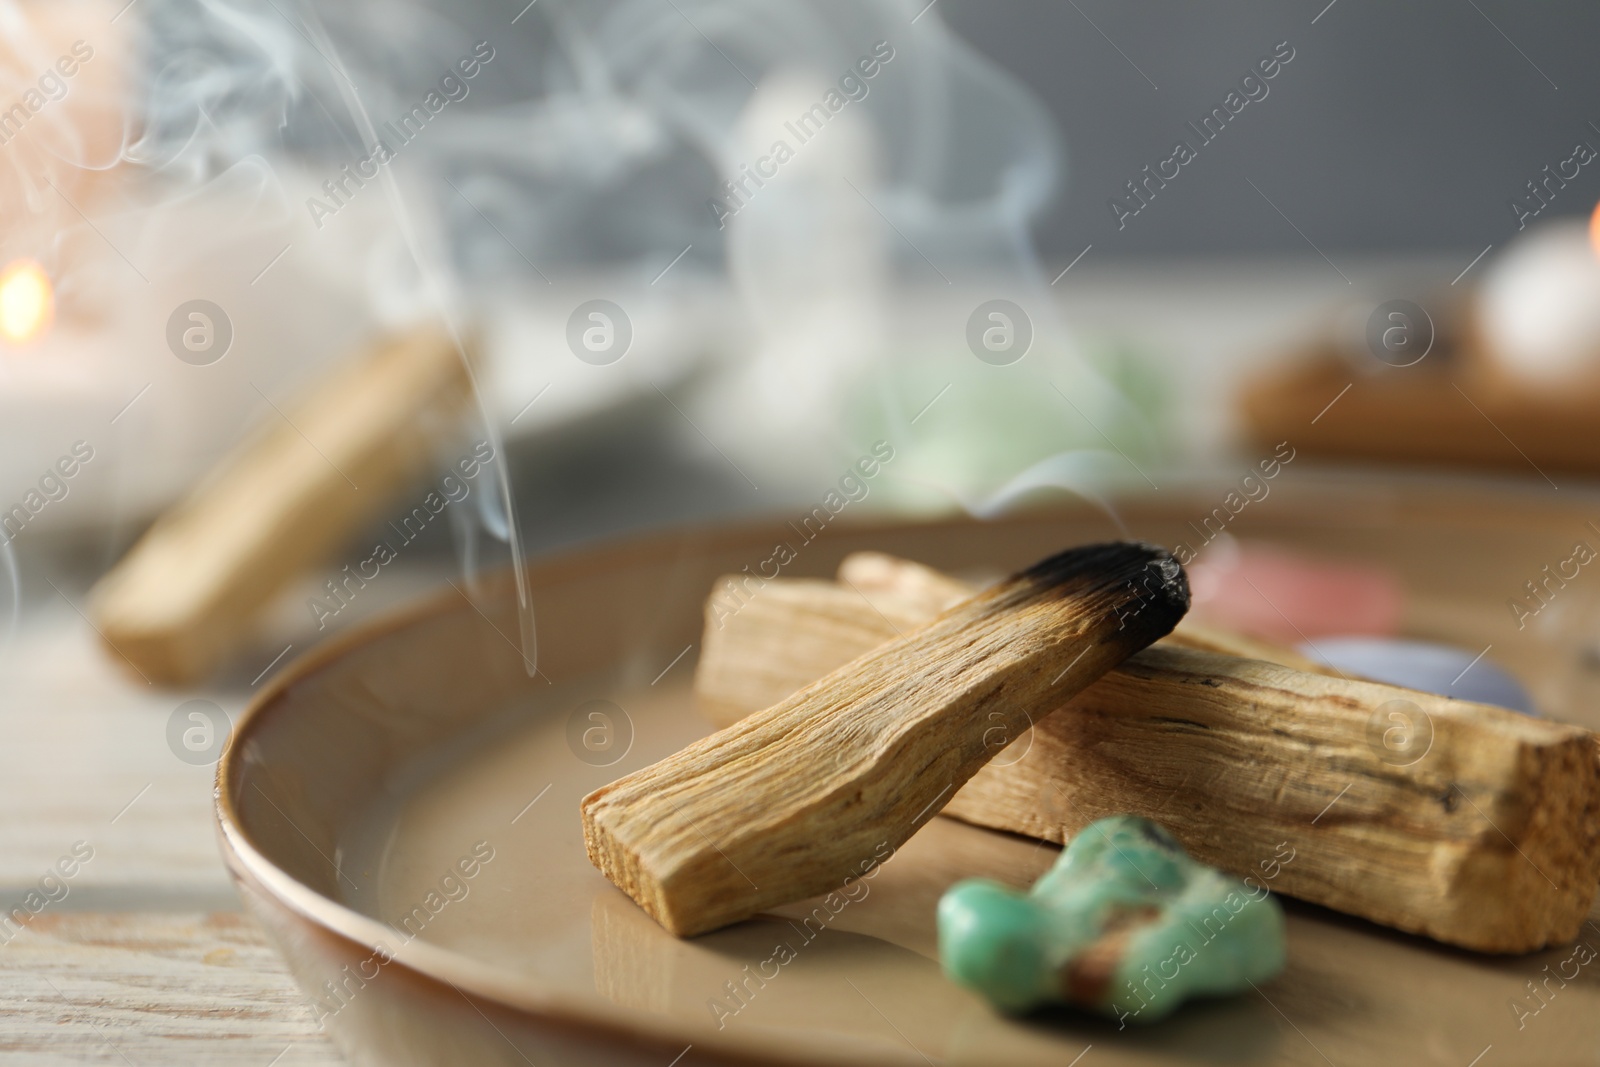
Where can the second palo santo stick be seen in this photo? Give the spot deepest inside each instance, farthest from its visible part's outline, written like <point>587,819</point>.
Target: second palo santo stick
<point>794,800</point>
<point>795,630</point>
<point>1481,832</point>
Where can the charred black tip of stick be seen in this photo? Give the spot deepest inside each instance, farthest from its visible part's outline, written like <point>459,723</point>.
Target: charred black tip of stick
<point>1150,568</point>
<point>1141,583</point>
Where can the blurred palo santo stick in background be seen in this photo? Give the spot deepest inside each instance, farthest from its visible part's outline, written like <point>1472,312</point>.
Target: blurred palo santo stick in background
<point>793,800</point>
<point>1482,831</point>
<point>190,588</point>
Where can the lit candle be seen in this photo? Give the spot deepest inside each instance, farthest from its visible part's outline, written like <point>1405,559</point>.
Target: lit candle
<point>62,371</point>
<point>27,302</point>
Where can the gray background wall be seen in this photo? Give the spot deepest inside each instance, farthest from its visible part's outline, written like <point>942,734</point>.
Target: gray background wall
<point>1397,127</point>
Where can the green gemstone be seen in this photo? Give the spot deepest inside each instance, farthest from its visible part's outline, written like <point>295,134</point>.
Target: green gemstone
<point>1125,923</point>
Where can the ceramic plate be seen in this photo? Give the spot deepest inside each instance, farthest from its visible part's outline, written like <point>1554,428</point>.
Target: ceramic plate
<point>400,809</point>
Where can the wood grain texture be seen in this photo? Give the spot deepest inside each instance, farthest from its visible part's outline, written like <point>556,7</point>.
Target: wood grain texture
<point>180,601</point>
<point>148,944</point>
<point>1488,839</point>
<point>795,800</point>
<point>153,989</point>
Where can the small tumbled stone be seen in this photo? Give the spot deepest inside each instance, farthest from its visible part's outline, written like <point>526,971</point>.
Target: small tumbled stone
<point>1424,665</point>
<point>1125,923</point>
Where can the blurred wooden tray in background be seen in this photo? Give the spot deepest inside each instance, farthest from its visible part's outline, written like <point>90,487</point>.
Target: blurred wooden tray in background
<point>1447,410</point>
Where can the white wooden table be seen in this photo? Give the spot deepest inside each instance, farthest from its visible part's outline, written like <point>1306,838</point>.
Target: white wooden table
<point>147,958</point>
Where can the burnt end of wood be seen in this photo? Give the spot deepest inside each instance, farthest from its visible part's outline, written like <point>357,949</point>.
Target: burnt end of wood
<point>1140,585</point>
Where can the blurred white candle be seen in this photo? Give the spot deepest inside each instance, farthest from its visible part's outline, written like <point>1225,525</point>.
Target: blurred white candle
<point>1540,307</point>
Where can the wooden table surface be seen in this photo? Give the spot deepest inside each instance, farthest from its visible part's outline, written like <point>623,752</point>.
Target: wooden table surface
<point>147,959</point>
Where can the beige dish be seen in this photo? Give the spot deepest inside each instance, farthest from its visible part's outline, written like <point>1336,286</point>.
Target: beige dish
<point>400,810</point>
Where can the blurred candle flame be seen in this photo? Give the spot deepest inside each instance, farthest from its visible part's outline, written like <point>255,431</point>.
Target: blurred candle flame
<point>27,302</point>
<point>1594,231</point>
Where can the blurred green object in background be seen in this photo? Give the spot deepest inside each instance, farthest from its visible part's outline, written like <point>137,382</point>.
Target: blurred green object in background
<point>977,438</point>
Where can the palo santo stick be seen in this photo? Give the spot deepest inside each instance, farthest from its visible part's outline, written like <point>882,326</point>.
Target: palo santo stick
<point>190,588</point>
<point>909,585</point>
<point>795,630</point>
<point>900,585</point>
<point>1488,840</point>
<point>793,800</point>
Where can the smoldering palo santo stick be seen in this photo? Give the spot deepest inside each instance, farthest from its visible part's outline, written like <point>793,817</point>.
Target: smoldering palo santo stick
<point>1486,836</point>
<point>788,802</point>
<point>799,629</point>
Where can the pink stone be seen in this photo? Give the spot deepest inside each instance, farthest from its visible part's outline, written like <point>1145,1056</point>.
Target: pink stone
<point>1287,597</point>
